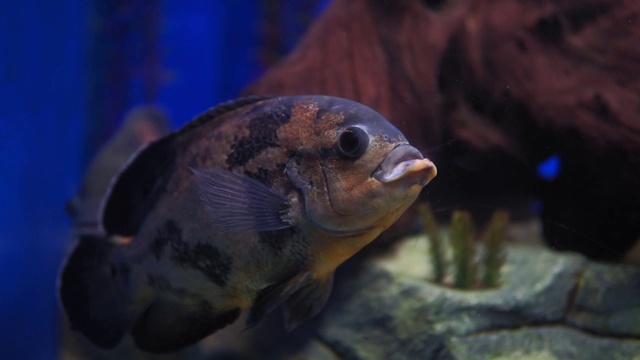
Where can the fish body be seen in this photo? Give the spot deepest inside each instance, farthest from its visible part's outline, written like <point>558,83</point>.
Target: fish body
<point>252,205</point>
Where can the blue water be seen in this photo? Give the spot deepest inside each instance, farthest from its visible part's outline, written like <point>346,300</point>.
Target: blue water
<point>42,106</point>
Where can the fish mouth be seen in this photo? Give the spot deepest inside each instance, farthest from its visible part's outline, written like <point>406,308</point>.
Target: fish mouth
<point>405,162</point>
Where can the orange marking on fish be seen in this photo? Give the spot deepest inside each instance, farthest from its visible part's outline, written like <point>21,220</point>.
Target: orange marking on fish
<point>126,240</point>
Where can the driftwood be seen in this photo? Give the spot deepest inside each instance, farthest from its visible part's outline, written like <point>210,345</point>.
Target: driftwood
<point>490,88</point>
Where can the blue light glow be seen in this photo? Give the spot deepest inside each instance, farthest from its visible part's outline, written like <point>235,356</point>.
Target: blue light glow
<point>550,168</point>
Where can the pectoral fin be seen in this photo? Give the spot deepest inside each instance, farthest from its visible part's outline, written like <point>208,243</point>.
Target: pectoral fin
<point>272,296</point>
<point>239,204</point>
<point>307,301</point>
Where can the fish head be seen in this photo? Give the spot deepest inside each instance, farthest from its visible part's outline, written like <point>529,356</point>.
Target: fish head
<point>361,173</point>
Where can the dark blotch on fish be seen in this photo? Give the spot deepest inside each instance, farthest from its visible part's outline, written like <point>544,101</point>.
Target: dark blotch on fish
<point>262,134</point>
<point>161,283</point>
<point>169,233</point>
<point>325,153</point>
<point>266,176</point>
<point>211,262</point>
<point>278,240</point>
<point>202,257</point>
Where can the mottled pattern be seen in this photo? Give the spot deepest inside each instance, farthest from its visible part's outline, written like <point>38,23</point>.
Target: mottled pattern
<point>215,115</point>
<point>278,240</point>
<point>325,153</point>
<point>261,174</point>
<point>211,262</point>
<point>262,134</point>
<point>205,258</point>
<point>265,175</point>
<point>163,284</point>
<point>167,234</point>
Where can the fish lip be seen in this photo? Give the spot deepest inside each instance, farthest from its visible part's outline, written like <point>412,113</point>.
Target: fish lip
<point>405,162</point>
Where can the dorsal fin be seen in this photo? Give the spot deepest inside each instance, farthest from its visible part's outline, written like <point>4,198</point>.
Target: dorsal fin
<point>143,179</point>
<point>222,109</point>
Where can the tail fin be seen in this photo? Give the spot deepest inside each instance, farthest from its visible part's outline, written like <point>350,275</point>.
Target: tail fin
<point>92,292</point>
<point>95,291</point>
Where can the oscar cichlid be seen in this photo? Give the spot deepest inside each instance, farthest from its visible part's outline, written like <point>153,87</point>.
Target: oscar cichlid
<point>252,205</point>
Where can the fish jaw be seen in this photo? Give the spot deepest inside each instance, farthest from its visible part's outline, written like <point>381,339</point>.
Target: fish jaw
<point>407,165</point>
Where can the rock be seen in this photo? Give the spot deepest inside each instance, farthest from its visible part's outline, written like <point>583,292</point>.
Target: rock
<point>546,343</point>
<point>536,288</point>
<point>379,306</point>
<point>608,300</point>
<point>550,305</point>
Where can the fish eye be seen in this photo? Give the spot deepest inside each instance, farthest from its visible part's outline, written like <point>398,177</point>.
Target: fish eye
<point>352,142</point>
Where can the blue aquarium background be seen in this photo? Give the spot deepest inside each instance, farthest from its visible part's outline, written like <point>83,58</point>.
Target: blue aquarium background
<point>69,71</point>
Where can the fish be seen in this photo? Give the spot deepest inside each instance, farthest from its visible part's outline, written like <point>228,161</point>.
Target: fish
<point>249,207</point>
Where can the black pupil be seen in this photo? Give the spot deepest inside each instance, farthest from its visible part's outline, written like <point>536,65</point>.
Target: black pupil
<point>349,142</point>
<point>352,142</point>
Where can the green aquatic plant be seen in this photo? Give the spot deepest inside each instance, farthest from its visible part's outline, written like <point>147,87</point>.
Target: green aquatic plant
<point>463,247</point>
<point>436,248</point>
<point>494,240</point>
<point>466,265</point>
